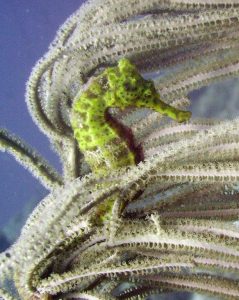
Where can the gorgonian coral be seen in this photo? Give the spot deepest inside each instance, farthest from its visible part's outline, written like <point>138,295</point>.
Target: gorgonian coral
<point>176,230</point>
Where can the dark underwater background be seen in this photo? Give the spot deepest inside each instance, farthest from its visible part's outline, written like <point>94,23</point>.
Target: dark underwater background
<point>26,29</point>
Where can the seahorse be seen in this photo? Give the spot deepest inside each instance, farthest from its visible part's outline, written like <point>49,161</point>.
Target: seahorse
<point>106,144</point>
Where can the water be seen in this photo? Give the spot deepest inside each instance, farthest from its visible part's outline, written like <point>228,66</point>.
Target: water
<point>26,29</point>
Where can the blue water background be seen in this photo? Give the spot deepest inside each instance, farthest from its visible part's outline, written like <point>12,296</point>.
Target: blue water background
<point>26,29</point>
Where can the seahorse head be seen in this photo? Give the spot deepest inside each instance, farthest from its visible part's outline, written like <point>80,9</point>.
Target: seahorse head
<point>127,87</point>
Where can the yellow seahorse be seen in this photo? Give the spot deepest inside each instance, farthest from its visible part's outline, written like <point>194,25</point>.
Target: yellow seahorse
<point>106,144</point>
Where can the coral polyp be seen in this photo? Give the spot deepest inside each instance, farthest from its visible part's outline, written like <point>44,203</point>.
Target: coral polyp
<point>147,201</point>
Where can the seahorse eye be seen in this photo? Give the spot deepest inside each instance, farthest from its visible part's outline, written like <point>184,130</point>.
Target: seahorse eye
<point>130,86</point>
<point>127,86</point>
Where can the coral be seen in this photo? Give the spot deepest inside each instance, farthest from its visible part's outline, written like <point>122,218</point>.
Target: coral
<point>178,227</point>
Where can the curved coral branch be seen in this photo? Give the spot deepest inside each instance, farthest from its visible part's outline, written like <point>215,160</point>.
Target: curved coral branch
<point>30,159</point>
<point>181,203</point>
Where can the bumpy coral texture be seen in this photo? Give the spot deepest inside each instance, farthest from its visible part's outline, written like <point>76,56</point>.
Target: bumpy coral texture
<point>174,208</point>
